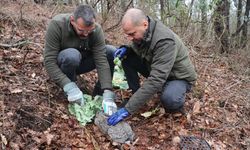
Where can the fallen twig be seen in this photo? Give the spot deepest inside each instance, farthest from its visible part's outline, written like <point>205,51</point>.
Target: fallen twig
<point>233,84</point>
<point>94,142</point>
<point>48,90</point>
<point>2,119</point>
<point>35,116</point>
<point>19,44</point>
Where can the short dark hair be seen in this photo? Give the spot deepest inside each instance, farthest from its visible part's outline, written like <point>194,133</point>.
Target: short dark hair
<point>86,12</point>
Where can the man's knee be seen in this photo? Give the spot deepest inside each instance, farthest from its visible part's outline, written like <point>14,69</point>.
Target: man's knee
<point>69,57</point>
<point>173,94</point>
<point>171,101</point>
<point>110,50</point>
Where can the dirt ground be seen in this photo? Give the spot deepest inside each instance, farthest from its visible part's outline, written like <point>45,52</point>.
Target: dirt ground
<point>34,112</point>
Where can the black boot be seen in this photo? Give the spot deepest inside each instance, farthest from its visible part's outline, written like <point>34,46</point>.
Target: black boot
<point>97,90</point>
<point>123,103</point>
<point>176,112</point>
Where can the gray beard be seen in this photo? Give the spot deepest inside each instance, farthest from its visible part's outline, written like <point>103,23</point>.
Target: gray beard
<point>83,37</point>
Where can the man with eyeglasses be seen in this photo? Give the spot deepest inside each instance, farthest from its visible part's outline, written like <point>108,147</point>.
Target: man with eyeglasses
<point>75,44</point>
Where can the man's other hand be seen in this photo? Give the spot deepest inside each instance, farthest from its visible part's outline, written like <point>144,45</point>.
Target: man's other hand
<point>120,115</point>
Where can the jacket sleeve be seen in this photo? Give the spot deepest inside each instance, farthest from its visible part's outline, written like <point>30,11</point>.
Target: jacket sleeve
<point>100,58</point>
<point>52,48</point>
<point>164,55</point>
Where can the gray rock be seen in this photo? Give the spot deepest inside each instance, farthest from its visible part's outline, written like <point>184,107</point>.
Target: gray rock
<point>121,133</point>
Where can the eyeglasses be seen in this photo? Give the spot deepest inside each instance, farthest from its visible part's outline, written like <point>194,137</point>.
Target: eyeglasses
<point>86,31</point>
<point>81,31</point>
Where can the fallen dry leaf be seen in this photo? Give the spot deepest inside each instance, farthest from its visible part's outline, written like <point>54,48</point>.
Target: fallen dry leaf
<point>196,108</point>
<point>3,139</point>
<point>33,75</point>
<point>17,90</point>
<point>176,140</point>
<point>189,117</point>
<point>49,138</point>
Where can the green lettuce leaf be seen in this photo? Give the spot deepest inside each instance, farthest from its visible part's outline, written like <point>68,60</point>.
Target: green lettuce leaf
<point>119,79</point>
<point>84,114</point>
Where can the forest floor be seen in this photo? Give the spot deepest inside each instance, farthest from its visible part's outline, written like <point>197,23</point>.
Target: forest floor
<point>34,112</point>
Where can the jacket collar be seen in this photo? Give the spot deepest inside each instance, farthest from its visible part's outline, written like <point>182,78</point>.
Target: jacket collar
<point>148,33</point>
<point>70,27</point>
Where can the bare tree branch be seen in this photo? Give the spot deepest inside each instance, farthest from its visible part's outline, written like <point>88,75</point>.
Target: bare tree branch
<point>120,19</point>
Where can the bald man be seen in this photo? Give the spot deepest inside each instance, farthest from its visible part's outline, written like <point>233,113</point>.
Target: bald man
<point>158,54</point>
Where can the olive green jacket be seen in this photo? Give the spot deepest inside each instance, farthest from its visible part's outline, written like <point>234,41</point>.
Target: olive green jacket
<point>60,35</point>
<point>166,57</point>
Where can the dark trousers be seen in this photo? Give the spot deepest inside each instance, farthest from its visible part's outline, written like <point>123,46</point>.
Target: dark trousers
<point>173,92</point>
<point>73,63</point>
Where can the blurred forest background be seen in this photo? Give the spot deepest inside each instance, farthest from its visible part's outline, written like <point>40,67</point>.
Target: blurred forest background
<point>33,110</point>
<point>221,24</point>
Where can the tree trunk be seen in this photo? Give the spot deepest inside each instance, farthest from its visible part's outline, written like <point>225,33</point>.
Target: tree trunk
<point>221,25</point>
<point>108,5</point>
<point>239,11</point>
<point>244,28</point>
<point>237,32</point>
<point>103,10</point>
<point>162,10</point>
<point>190,13</point>
<point>227,15</point>
<point>123,5</point>
<point>203,7</point>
